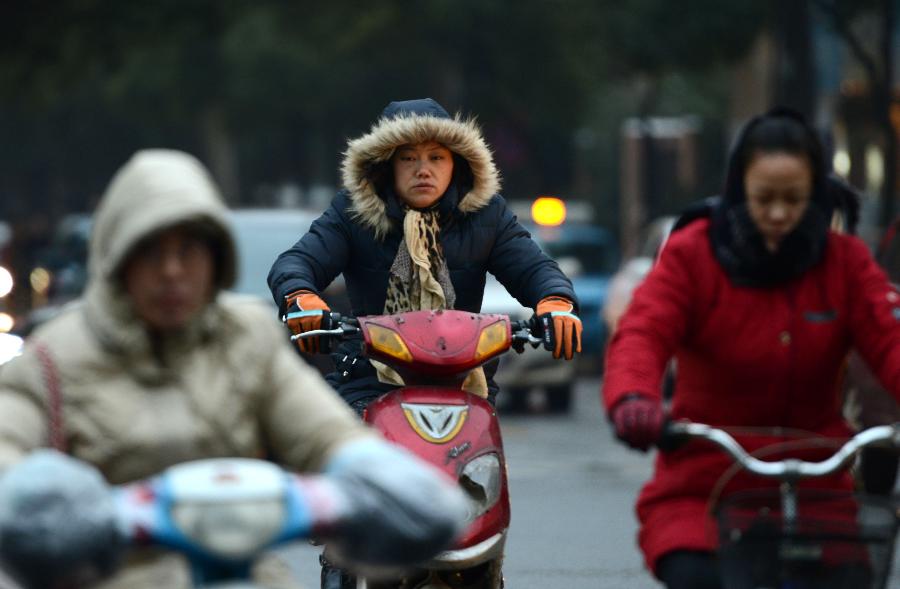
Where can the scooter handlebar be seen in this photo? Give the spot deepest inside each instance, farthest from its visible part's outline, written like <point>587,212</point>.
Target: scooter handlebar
<point>201,507</point>
<point>523,333</point>
<point>789,469</point>
<point>342,327</point>
<point>334,325</point>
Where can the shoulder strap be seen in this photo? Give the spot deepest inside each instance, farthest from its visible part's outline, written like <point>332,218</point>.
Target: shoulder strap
<point>56,430</point>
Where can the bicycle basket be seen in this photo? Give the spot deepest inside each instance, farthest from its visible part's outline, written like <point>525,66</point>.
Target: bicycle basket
<point>837,541</point>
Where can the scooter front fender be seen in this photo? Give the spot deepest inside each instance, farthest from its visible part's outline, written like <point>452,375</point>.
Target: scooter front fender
<point>464,558</point>
<point>448,428</point>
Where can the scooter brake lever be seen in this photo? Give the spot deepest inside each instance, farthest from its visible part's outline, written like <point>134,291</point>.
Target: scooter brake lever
<point>317,332</point>
<point>518,345</point>
<point>523,336</point>
<point>349,329</point>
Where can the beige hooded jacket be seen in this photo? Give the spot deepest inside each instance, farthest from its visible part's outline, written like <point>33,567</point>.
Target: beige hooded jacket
<point>229,385</point>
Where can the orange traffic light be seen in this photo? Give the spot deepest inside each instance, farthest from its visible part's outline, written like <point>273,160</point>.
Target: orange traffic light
<point>548,211</point>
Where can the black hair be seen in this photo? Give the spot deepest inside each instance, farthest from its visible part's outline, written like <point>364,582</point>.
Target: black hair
<point>381,175</point>
<point>463,177</point>
<point>846,199</point>
<point>781,130</point>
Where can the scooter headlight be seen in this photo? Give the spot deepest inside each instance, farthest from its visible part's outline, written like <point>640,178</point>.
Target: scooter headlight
<point>228,507</point>
<point>480,479</point>
<point>235,530</point>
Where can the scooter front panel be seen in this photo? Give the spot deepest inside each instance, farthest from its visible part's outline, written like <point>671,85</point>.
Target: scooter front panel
<point>441,343</point>
<point>449,428</point>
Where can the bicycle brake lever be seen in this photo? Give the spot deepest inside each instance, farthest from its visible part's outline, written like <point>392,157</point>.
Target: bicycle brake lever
<point>672,436</point>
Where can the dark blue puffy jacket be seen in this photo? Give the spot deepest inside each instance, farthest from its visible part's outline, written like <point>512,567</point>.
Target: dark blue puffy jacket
<point>359,234</point>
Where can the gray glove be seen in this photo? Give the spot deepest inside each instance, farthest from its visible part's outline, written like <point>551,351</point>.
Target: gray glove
<point>394,509</point>
<point>57,522</point>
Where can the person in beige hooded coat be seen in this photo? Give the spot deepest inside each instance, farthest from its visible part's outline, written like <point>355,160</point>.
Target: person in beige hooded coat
<point>107,385</point>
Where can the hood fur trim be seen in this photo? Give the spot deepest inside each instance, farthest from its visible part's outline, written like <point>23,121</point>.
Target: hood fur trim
<point>462,137</point>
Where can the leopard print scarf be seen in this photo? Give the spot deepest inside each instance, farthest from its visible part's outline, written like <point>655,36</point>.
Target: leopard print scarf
<point>419,276</point>
<point>420,280</point>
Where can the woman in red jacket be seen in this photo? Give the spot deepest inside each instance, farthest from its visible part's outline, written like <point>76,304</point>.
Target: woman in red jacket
<point>759,303</point>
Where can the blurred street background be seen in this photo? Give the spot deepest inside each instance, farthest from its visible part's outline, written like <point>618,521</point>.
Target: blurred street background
<point>606,118</point>
<point>624,110</point>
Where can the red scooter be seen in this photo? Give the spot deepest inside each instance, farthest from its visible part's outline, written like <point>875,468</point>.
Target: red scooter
<point>434,351</point>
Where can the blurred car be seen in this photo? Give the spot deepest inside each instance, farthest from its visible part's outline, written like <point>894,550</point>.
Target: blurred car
<point>630,275</point>
<point>534,369</point>
<point>633,270</point>
<point>7,282</point>
<point>261,235</point>
<point>588,254</point>
<point>59,274</point>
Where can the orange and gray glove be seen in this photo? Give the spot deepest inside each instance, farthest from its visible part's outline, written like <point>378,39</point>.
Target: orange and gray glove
<point>305,311</point>
<point>560,326</point>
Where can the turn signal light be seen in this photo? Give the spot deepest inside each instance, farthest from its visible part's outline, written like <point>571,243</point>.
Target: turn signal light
<point>494,338</point>
<point>389,342</point>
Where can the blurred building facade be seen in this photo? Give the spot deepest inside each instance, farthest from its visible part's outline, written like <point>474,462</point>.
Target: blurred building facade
<point>843,73</point>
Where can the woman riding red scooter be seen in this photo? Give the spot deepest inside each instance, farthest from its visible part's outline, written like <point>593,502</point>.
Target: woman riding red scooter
<point>454,430</point>
<point>417,227</point>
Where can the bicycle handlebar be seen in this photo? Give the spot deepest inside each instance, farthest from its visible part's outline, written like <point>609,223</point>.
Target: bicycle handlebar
<point>790,468</point>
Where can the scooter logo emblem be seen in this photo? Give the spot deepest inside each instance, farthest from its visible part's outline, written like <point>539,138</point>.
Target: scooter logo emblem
<point>435,423</point>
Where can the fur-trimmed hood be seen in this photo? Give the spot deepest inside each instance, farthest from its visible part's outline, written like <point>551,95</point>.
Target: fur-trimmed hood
<point>415,121</point>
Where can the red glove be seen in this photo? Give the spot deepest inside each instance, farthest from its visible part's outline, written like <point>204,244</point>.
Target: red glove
<point>304,313</point>
<point>638,421</point>
<point>562,327</point>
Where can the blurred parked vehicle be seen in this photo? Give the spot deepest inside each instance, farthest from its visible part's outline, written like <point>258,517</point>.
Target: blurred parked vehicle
<point>589,255</point>
<point>534,368</point>
<point>633,271</point>
<point>60,272</point>
<point>7,322</point>
<point>261,235</point>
